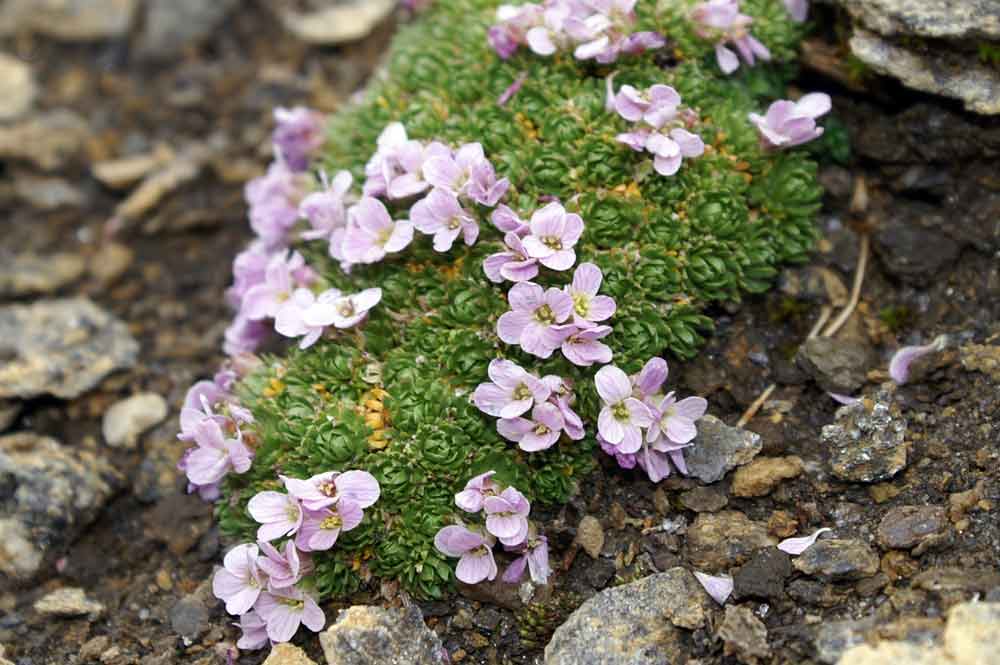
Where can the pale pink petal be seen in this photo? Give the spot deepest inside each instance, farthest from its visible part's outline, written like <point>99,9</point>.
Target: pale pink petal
<point>799,545</point>
<point>359,487</point>
<point>719,588</point>
<point>692,407</point>
<point>612,385</point>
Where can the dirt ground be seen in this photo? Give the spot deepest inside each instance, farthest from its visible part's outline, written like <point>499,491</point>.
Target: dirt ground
<point>932,212</point>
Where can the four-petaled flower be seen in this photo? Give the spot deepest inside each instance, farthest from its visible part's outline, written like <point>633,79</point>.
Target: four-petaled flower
<point>622,418</point>
<point>539,432</point>
<point>476,490</point>
<point>787,124</point>
<point>278,514</point>
<point>283,570</point>
<point>320,528</point>
<point>372,233</point>
<point>441,215</point>
<point>473,550</point>
<point>514,264</point>
<point>238,582</point>
<point>535,318</point>
<point>588,307</point>
<point>507,516</point>
<point>534,555</point>
<point>553,234</point>
<point>512,391</point>
<point>583,348</point>
<point>284,610</point>
<point>326,489</point>
<point>675,419</point>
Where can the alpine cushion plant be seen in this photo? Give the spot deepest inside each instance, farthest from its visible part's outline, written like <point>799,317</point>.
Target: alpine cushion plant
<point>468,269</point>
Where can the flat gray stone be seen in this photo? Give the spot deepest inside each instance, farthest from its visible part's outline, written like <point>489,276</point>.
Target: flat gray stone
<point>934,19</point>
<point>718,541</point>
<point>68,20</point>
<point>947,73</point>
<point>633,624</point>
<point>719,448</point>
<point>60,347</point>
<point>838,366</point>
<point>835,559</point>
<point>33,274</point>
<point>174,25</point>
<point>48,494</point>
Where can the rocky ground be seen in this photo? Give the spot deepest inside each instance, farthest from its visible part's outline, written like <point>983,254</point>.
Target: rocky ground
<point>124,145</point>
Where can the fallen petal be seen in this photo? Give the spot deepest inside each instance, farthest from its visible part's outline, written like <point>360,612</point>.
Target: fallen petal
<point>718,588</point>
<point>796,546</point>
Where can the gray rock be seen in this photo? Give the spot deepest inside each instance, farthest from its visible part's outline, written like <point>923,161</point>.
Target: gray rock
<point>633,624</point>
<point>835,559</point>
<point>914,527</point>
<point>719,448</point>
<point>935,19</point>
<point>31,274</point>
<point>48,494</point>
<point>363,634</point>
<point>173,25</point>
<point>69,20</point>
<point>49,140</point>
<point>18,84</point>
<point>189,617</point>
<point>866,439</point>
<point>947,73</point>
<point>914,254</point>
<point>338,22</point>
<point>128,419</point>
<point>745,635</point>
<point>590,536</point>
<point>718,541</point>
<point>838,366</point>
<point>763,576</point>
<point>68,602</point>
<point>60,347</point>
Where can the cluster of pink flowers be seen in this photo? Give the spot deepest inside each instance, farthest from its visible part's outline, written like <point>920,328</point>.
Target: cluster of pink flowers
<point>506,520</point>
<point>663,125</point>
<point>600,30</point>
<point>640,424</point>
<point>260,583</point>
<point>788,124</point>
<point>513,392</point>
<point>211,419</point>
<point>721,22</point>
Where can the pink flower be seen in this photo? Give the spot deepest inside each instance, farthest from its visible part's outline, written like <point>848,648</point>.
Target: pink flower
<point>534,319</point>
<point>279,514</point>
<point>797,9</point>
<point>787,124</point>
<point>554,233</point>
<point>473,550</point>
<point>512,391</point>
<point>326,210</point>
<point>283,570</point>
<point>407,177</point>
<point>588,307</point>
<point>254,631</point>
<point>320,528</point>
<point>441,215</point>
<point>297,136</point>
<point>507,516</point>
<point>249,270</point>
<point>563,397</point>
<point>622,418</point>
<point>670,151</point>
<point>380,168</point>
<point>539,432</point>
<point>514,265</point>
<point>656,106</point>
<point>534,555</point>
<point>466,173</point>
<point>309,315</point>
<point>327,489</point>
<point>676,419</point>
<point>285,610</point>
<point>484,186</point>
<point>244,336</point>
<point>583,349</point>
<point>721,21</point>
<point>215,455</point>
<point>372,233</point>
<point>476,490</point>
<point>263,300</point>
<point>238,582</point>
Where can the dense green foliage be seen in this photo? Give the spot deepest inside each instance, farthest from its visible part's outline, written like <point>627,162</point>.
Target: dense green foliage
<point>669,246</point>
